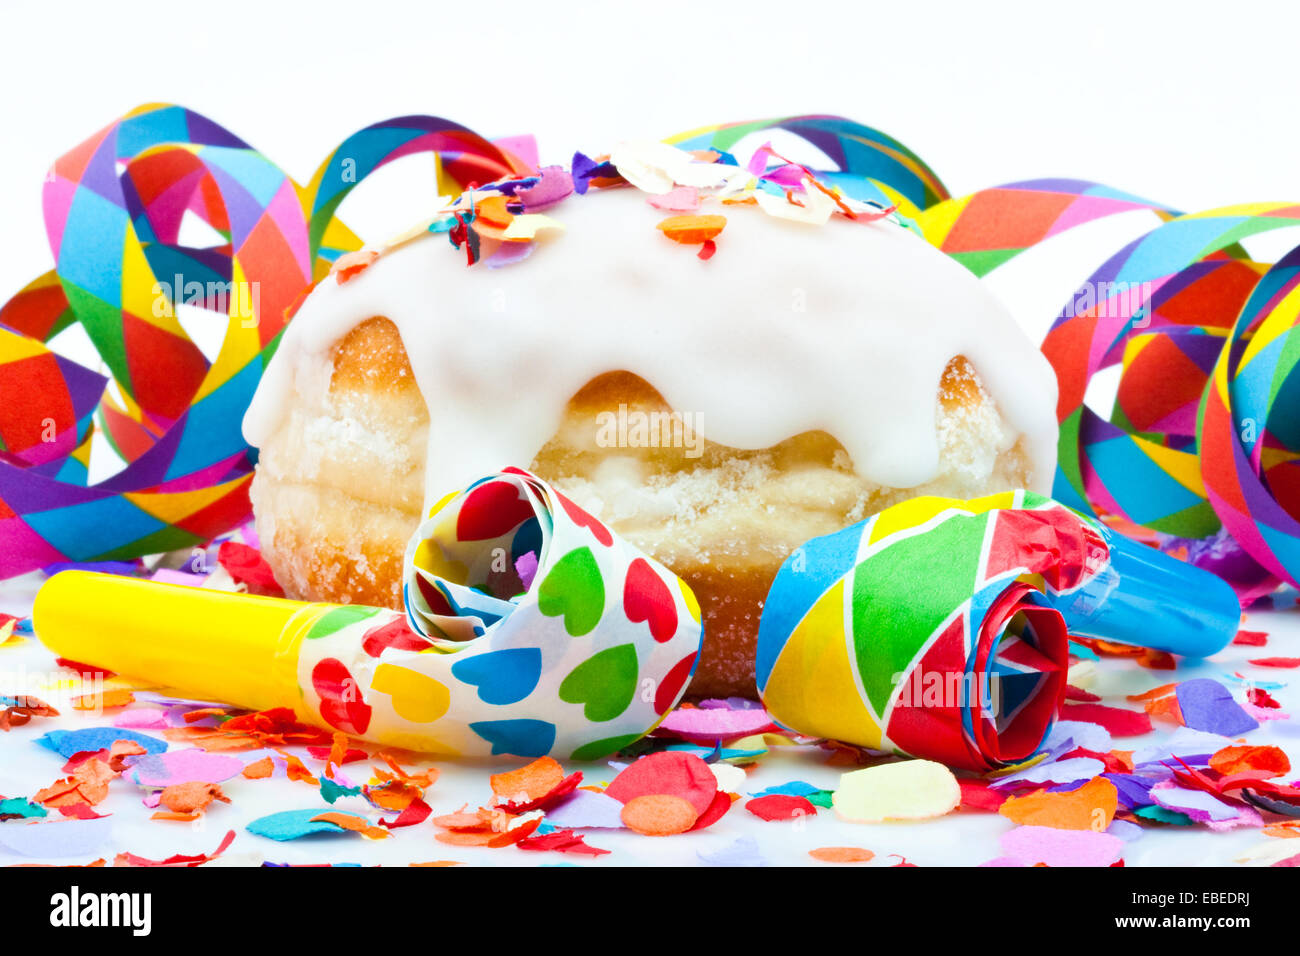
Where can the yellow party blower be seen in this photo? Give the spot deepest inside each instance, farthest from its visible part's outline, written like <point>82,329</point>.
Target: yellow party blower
<point>549,659</point>
<point>240,649</point>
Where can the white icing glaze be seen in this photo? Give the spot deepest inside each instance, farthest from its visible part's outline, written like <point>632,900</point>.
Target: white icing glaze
<point>844,327</point>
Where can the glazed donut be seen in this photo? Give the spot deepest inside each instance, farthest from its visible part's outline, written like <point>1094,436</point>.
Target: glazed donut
<point>716,412</point>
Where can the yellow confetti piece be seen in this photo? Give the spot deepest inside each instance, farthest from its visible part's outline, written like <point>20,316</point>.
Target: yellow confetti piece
<point>907,790</point>
<point>811,206</point>
<point>526,227</point>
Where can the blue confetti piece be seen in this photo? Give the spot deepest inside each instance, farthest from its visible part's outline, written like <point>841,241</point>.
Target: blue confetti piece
<point>1206,705</point>
<point>795,788</point>
<point>69,743</point>
<point>295,824</point>
<point>1251,682</point>
<point>1083,653</point>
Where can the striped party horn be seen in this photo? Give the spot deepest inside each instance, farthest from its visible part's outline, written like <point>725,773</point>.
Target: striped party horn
<point>938,628</point>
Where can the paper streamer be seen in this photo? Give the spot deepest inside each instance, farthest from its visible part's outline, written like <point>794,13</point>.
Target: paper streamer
<point>937,628</point>
<point>1250,428</point>
<point>1163,308</point>
<point>114,206</point>
<point>563,637</point>
<point>872,167</point>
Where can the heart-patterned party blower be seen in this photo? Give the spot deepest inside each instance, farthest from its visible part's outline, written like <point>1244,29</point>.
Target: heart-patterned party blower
<point>938,628</point>
<point>536,631</point>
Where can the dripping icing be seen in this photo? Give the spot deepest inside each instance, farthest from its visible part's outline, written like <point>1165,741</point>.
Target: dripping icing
<point>844,327</point>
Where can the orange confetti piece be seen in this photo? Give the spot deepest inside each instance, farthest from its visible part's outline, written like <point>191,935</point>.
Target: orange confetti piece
<point>191,797</point>
<point>1156,660</point>
<point>438,863</point>
<point>1166,708</point>
<point>492,211</point>
<point>466,837</point>
<point>1282,830</point>
<point>393,795</point>
<point>210,739</point>
<point>842,854</point>
<point>349,822</point>
<point>178,817</point>
<point>459,821</point>
<point>338,750</point>
<point>87,784</point>
<point>658,814</point>
<point>113,697</point>
<point>1091,807</point>
<point>118,753</point>
<point>259,769</point>
<point>528,783</point>
<point>351,264</point>
<point>1238,759</point>
<point>424,778</point>
<point>691,230</point>
<point>490,838</point>
<point>1155,692</point>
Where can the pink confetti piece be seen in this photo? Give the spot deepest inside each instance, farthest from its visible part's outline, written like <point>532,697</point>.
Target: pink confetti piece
<point>710,724</point>
<point>1061,847</point>
<point>184,766</point>
<point>681,199</point>
<point>142,718</point>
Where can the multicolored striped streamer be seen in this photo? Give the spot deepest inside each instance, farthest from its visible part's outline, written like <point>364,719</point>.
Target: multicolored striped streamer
<point>1164,308</point>
<point>114,208</point>
<point>870,166</point>
<point>993,226</point>
<point>1250,424</point>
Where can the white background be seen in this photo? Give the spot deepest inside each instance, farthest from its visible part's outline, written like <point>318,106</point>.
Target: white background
<point>1192,104</point>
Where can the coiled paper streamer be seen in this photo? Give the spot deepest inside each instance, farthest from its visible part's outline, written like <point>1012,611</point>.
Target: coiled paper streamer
<point>177,422</point>
<point>937,628</point>
<point>113,211</point>
<point>871,166</point>
<point>565,638</point>
<point>538,632</point>
<point>1163,306</point>
<point>1250,428</point>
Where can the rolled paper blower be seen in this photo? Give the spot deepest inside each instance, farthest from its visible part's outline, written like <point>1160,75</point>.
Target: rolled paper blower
<point>537,632</point>
<point>939,628</point>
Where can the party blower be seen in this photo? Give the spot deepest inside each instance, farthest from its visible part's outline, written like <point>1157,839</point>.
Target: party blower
<point>939,628</point>
<point>533,630</point>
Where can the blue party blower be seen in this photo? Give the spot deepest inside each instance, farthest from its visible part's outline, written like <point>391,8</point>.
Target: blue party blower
<point>1146,598</point>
